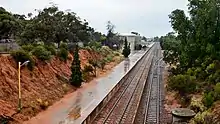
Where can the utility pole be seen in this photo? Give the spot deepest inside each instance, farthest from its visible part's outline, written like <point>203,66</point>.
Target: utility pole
<point>19,83</point>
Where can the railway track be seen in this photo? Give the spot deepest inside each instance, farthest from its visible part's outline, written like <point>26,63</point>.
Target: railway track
<point>123,106</point>
<point>151,105</point>
<point>152,113</point>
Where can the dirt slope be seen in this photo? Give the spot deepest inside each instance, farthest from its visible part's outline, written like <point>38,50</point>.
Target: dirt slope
<point>45,84</point>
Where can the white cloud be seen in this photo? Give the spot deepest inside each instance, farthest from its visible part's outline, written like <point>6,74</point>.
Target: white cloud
<point>150,17</point>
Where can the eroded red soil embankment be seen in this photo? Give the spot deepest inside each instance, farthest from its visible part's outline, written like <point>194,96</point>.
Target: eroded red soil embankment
<point>45,84</point>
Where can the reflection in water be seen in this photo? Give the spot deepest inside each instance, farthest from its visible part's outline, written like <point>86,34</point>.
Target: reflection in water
<point>76,111</point>
<point>126,65</point>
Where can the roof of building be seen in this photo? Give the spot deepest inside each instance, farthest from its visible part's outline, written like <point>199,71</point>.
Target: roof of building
<point>7,40</point>
<point>127,34</point>
<point>143,41</point>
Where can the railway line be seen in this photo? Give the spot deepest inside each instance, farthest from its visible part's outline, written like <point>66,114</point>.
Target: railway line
<point>151,105</point>
<point>138,100</point>
<point>118,108</point>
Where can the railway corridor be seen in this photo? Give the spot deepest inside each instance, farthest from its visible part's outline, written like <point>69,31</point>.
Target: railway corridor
<point>140,98</point>
<point>150,110</point>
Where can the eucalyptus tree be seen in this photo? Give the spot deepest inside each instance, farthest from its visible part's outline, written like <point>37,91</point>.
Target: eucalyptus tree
<point>7,24</point>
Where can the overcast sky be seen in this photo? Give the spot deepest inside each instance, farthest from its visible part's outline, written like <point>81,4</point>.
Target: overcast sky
<point>148,17</point>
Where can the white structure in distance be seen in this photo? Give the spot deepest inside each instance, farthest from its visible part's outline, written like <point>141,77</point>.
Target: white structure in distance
<point>134,39</point>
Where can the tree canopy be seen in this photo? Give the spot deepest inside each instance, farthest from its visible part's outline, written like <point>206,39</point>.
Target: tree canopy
<point>193,49</point>
<point>7,23</point>
<point>112,37</point>
<point>197,35</point>
<point>50,25</point>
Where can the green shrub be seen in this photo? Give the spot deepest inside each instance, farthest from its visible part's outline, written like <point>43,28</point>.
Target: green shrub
<point>63,54</point>
<point>28,47</point>
<point>196,105</point>
<point>41,53</point>
<point>51,48</point>
<point>37,43</point>
<point>214,77</point>
<point>3,49</point>
<point>94,63</point>
<point>202,118</point>
<point>105,50</point>
<point>109,58</point>
<point>103,63</point>
<point>95,45</point>
<point>190,72</point>
<point>208,99</point>
<point>88,69</point>
<point>88,48</point>
<point>85,76</point>
<point>217,91</point>
<point>43,104</point>
<point>182,83</point>
<point>117,54</point>
<point>64,45</point>
<point>197,72</point>
<point>22,56</point>
<point>210,68</point>
<point>211,78</point>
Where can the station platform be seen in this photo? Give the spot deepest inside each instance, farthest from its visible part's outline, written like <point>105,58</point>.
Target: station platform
<point>75,107</point>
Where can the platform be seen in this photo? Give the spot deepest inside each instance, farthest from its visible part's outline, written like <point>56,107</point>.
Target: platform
<point>78,105</point>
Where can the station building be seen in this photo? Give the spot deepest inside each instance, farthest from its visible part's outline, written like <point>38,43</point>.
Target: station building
<point>132,39</point>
